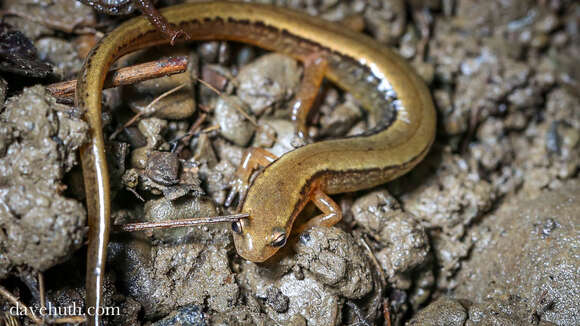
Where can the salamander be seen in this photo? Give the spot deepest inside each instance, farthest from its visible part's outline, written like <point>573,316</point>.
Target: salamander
<point>397,100</point>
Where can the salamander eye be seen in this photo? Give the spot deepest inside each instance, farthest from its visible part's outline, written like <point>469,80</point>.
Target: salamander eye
<point>237,227</point>
<point>279,241</point>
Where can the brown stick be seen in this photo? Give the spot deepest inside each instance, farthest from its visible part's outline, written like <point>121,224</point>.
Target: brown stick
<point>68,320</point>
<point>132,227</point>
<point>41,290</point>
<point>145,110</point>
<point>29,312</point>
<point>192,130</point>
<point>126,76</point>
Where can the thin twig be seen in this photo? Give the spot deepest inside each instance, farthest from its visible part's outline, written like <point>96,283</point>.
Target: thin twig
<point>145,110</point>
<point>126,76</point>
<point>375,261</point>
<point>191,132</point>
<point>132,227</point>
<point>68,320</point>
<point>386,312</point>
<point>10,297</point>
<point>210,128</point>
<point>237,107</point>
<point>41,290</point>
<point>136,194</point>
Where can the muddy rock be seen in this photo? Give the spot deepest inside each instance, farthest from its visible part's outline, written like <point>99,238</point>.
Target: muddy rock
<point>62,53</point>
<point>335,259</point>
<point>38,146</point>
<point>447,203</point>
<point>265,135</point>
<point>447,311</point>
<point>285,134</point>
<point>180,104</point>
<point>3,90</point>
<point>451,198</point>
<point>217,179</point>
<point>484,17</point>
<point>268,81</point>
<point>243,316</point>
<point>152,129</point>
<point>43,17</point>
<point>308,299</point>
<point>234,126</point>
<point>226,151</point>
<point>441,312</point>
<point>129,311</point>
<point>542,271</point>
<point>342,118</point>
<point>163,278</point>
<point>405,242</point>
<point>185,316</point>
<point>554,151</point>
<point>387,20</point>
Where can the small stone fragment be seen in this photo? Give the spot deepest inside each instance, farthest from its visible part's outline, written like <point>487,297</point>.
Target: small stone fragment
<point>444,311</point>
<point>336,260</point>
<point>268,81</point>
<point>163,168</point>
<point>234,126</point>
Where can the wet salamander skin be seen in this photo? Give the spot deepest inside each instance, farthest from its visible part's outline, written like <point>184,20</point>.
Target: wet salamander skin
<point>383,83</point>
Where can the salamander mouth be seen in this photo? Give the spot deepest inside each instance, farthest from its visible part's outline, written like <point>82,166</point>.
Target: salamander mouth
<point>245,247</point>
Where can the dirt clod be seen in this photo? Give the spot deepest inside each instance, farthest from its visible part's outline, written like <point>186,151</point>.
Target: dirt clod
<point>38,140</point>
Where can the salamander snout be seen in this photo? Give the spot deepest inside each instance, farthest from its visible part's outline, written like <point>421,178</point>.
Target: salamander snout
<point>257,244</point>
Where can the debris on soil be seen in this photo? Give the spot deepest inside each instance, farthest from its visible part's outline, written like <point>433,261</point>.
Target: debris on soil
<point>234,126</point>
<point>39,21</point>
<point>336,260</point>
<point>38,142</point>
<point>3,90</point>
<point>178,105</point>
<point>165,277</point>
<point>446,311</point>
<point>542,272</point>
<point>268,82</point>
<point>403,243</point>
<point>186,316</point>
<point>18,55</point>
<point>307,298</point>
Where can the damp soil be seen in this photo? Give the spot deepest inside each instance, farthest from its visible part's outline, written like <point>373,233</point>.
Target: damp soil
<point>483,232</point>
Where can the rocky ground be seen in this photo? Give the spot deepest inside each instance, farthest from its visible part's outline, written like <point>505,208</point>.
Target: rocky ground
<point>484,232</point>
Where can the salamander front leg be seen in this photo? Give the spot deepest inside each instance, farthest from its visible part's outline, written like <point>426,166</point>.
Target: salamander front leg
<point>314,70</point>
<point>253,159</point>
<point>331,213</point>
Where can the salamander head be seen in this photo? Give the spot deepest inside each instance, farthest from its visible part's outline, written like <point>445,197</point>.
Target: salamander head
<point>259,237</point>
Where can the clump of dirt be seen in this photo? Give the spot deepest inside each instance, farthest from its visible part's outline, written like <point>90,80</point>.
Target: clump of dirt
<point>534,284</point>
<point>40,227</point>
<point>41,20</point>
<point>445,311</point>
<point>541,273</point>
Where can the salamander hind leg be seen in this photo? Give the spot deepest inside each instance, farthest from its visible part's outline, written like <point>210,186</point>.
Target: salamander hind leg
<point>314,70</point>
<point>253,159</point>
<point>331,212</point>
